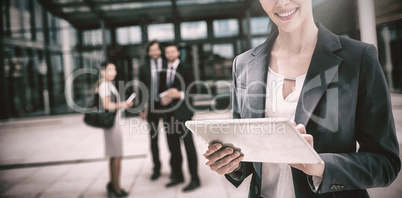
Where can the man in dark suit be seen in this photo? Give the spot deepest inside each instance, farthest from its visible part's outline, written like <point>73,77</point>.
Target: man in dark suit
<point>149,76</point>
<point>174,82</point>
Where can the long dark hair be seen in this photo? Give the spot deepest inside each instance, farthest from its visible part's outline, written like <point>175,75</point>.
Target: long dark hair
<point>272,27</point>
<point>102,66</point>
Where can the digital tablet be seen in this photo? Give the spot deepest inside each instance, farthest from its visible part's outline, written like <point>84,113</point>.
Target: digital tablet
<point>131,98</point>
<point>270,140</point>
<point>163,94</point>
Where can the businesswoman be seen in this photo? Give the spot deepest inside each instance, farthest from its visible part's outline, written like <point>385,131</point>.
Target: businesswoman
<point>113,138</point>
<point>335,91</point>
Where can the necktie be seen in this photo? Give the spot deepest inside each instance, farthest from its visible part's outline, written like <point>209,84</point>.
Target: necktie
<point>155,80</point>
<point>170,76</point>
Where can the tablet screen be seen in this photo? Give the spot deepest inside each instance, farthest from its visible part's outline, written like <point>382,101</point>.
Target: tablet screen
<point>269,140</point>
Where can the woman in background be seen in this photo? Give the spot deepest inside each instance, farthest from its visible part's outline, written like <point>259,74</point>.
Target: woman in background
<point>113,138</point>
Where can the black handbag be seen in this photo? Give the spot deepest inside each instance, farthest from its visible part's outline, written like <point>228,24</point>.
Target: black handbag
<point>99,118</point>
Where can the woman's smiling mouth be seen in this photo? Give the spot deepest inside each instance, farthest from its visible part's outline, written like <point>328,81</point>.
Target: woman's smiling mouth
<point>286,15</point>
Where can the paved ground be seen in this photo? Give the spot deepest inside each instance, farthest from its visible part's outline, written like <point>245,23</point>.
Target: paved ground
<point>59,156</point>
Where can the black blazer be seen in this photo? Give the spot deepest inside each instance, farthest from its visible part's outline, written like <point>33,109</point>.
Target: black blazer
<point>344,100</point>
<point>181,109</point>
<point>146,91</point>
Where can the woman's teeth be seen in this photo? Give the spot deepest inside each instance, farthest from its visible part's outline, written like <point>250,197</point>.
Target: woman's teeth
<point>287,13</point>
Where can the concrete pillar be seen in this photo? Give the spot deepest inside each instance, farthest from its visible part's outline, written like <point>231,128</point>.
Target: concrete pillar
<point>367,22</point>
<point>104,47</point>
<point>196,67</point>
<point>67,58</point>
<point>386,35</point>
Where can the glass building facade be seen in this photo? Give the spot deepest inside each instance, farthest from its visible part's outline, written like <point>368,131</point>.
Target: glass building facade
<point>34,55</point>
<point>41,52</point>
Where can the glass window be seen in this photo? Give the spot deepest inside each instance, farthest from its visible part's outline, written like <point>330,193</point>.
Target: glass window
<point>222,58</point>
<point>134,5</point>
<point>4,16</point>
<point>192,2</point>
<point>58,79</point>
<point>259,25</point>
<point>73,36</point>
<point>68,35</point>
<point>123,37</point>
<point>20,19</point>
<point>193,30</point>
<point>76,9</point>
<point>225,28</point>
<point>129,35</point>
<point>161,32</point>
<point>223,50</point>
<point>25,81</point>
<point>67,1</point>
<point>257,41</point>
<point>26,17</point>
<point>15,19</point>
<point>92,37</point>
<point>54,29</point>
<point>39,22</point>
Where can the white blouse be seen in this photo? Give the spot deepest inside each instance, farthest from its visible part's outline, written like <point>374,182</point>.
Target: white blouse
<point>277,179</point>
<point>106,88</point>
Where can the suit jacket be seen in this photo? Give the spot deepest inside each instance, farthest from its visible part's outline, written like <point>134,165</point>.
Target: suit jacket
<point>146,92</point>
<point>344,99</point>
<point>181,109</point>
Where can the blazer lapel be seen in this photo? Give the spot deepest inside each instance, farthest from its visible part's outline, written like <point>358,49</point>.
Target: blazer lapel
<point>322,71</point>
<point>257,68</point>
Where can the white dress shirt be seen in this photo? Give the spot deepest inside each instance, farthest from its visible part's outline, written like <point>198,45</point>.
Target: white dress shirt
<point>155,69</point>
<point>171,74</point>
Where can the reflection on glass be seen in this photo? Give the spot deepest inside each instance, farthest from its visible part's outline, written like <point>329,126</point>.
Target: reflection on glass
<point>257,41</point>
<point>58,80</point>
<point>24,82</point>
<point>54,29</point>
<point>39,21</point>
<point>142,5</point>
<point>92,37</point>
<point>223,50</point>
<point>226,28</point>
<point>192,2</point>
<point>161,32</point>
<point>76,9</point>
<point>26,17</point>
<point>129,35</point>
<point>66,1</point>
<point>259,25</point>
<point>15,19</point>
<point>73,36</point>
<point>222,58</point>
<point>193,30</point>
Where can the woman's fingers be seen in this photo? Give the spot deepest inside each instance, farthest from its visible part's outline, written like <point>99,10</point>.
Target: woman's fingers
<point>212,148</point>
<point>225,160</point>
<point>211,159</point>
<point>309,139</point>
<point>222,159</point>
<point>301,128</point>
<point>230,167</point>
